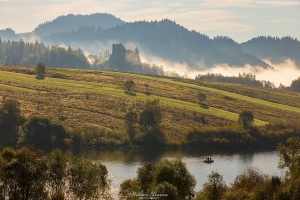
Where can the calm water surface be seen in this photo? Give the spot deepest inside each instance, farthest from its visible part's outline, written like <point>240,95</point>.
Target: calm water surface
<point>123,164</point>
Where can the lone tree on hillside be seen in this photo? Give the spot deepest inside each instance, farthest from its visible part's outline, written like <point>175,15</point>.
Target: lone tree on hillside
<point>129,84</point>
<point>10,115</point>
<point>131,118</point>
<point>246,118</point>
<point>151,116</point>
<point>295,85</point>
<point>201,97</point>
<point>41,69</point>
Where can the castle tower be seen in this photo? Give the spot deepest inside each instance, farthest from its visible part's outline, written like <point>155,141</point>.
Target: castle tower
<point>120,55</point>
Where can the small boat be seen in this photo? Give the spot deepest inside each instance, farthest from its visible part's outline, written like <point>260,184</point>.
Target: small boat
<point>208,160</point>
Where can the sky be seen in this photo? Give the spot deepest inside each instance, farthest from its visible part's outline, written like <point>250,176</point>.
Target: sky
<point>239,19</point>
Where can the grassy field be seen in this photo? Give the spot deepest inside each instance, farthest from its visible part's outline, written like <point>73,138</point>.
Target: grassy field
<point>222,92</point>
<point>97,99</point>
<point>84,86</point>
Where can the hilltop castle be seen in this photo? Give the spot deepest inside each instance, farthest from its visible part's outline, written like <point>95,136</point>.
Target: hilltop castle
<point>120,55</point>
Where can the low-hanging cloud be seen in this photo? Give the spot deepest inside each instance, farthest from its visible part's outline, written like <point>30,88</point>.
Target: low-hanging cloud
<point>283,73</point>
<point>30,38</point>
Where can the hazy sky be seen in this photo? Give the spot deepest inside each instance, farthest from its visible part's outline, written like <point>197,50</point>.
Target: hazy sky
<point>238,19</point>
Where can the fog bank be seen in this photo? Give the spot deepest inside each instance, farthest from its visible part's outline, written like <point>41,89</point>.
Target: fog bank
<point>283,73</point>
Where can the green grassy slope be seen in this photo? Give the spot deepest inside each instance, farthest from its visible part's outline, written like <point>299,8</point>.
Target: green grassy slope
<point>97,99</point>
<point>84,86</point>
<point>225,93</point>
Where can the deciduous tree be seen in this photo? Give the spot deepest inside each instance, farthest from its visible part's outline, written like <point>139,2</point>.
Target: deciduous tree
<point>43,133</point>
<point>131,118</point>
<point>169,177</point>
<point>88,180</point>
<point>41,69</point>
<point>295,85</point>
<point>23,174</point>
<point>246,119</point>
<point>10,115</point>
<point>213,189</point>
<point>290,157</point>
<point>175,172</point>
<point>201,97</point>
<point>145,175</point>
<point>129,85</point>
<point>151,116</point>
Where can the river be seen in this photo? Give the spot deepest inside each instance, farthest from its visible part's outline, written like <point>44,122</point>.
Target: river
<point>123,164</point>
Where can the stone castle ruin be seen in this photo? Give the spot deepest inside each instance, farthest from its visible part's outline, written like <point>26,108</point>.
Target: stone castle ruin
<point>120,55</point>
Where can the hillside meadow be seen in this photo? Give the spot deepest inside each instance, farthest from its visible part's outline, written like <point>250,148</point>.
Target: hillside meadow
<point>89,101</point>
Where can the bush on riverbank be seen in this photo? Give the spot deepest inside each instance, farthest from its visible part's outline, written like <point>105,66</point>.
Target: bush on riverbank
<point>267,136</point>
<point>170,179</point>
<point>30,174</point>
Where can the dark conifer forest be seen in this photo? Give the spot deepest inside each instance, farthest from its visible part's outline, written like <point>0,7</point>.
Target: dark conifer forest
<point>29,54</point>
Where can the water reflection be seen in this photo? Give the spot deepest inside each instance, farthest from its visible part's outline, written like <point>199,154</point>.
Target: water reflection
<point>123,164</point>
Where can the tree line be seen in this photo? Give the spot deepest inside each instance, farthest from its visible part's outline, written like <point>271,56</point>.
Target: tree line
<point>294,87</point>
<point>244,79</point>
<point>248,79</point>
<point>28,54</point>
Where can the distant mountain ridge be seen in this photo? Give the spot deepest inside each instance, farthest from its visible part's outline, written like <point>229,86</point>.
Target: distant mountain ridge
<point>73,22</point>
<point>164,39</point>
<point>274,48</point>
<point>8,34</point>
<point>167,40</point>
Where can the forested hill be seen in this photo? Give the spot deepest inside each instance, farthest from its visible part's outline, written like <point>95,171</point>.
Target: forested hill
<point>167,40</point>
<point>8,34</point>
<point>29,54</point>
<point>73,22</point>
<point>274,48</point>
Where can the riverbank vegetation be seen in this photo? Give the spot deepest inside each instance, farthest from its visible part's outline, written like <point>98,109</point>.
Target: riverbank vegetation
<point>31,174</point>
<point>255,185</point>
<point>172,179</point>
<point>88,109</point>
